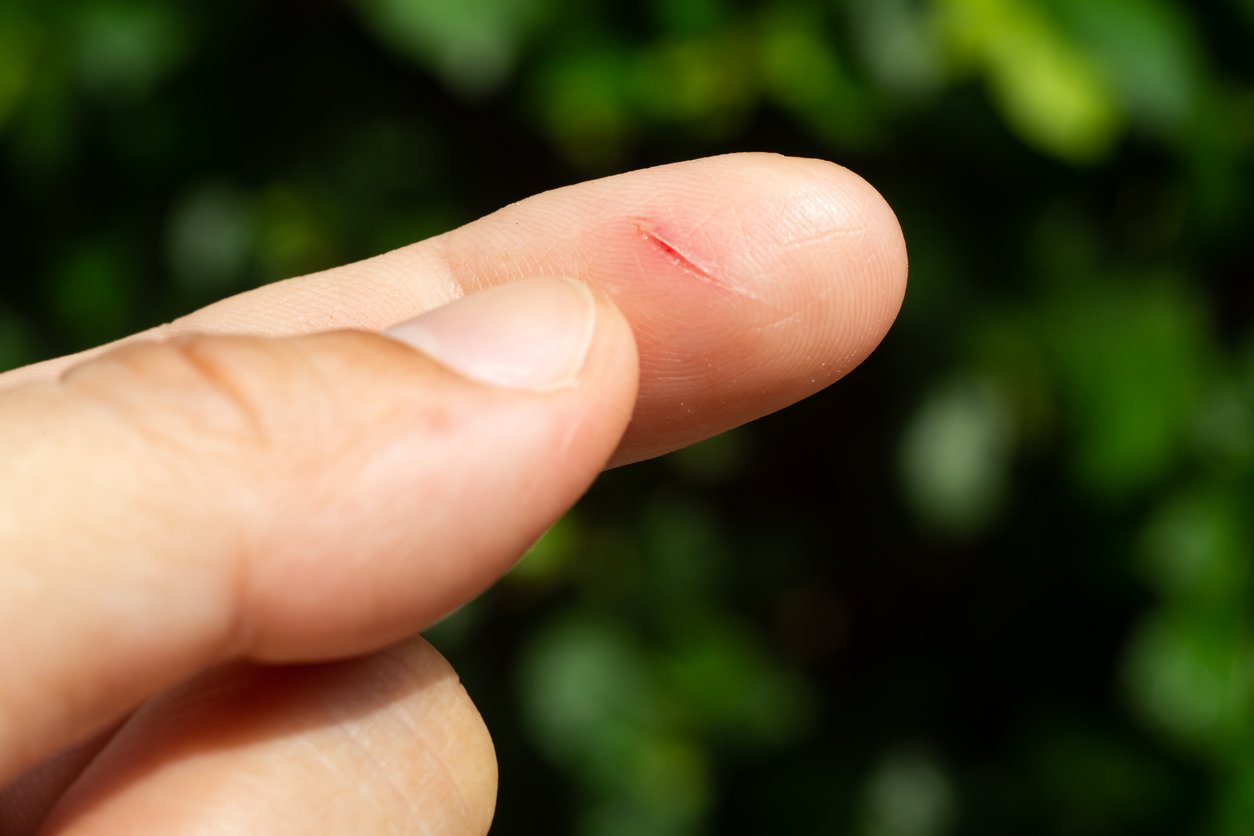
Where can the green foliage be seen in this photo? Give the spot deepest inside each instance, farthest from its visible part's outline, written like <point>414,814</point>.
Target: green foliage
<point>908,794</point>
<point>955,456</point>
<point>471,44</point>
<point>1049,89</point>
<point>1000,580</point>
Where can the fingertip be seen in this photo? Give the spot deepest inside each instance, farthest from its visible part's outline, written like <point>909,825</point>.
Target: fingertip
<point>752,281</point>
<point>398,721</point>
<point>861,264</point>
<point>833,215</point>
<point>458,737</point>
<point>613,360</point>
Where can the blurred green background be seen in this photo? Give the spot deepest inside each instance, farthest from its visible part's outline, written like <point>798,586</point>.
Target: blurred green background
<point>998,581</point>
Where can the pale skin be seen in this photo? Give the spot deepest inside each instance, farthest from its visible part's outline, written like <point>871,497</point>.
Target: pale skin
<point>216,552</point>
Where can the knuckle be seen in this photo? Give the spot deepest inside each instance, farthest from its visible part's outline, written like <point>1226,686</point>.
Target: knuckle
<point>218,380</point>
<point>227,399</point>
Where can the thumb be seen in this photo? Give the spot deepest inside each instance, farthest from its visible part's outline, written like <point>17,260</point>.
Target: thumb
<point>170,506</point>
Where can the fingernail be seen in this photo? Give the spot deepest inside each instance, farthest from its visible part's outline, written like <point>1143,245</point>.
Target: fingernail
<point>532,334</point>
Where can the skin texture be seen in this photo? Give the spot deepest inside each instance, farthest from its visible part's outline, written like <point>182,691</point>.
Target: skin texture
<point>215,551</point>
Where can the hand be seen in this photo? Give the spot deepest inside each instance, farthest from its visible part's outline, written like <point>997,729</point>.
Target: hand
<point>215,550</point>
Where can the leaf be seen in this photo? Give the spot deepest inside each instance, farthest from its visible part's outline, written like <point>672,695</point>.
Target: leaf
<point>955,456</point>
<point>1048,89</point>
<point>472,44</point>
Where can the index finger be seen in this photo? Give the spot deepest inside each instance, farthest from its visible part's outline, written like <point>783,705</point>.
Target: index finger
<point>750,280</point>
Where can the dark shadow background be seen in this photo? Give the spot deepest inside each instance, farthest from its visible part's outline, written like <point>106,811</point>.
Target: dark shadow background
<point>997,581</point>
